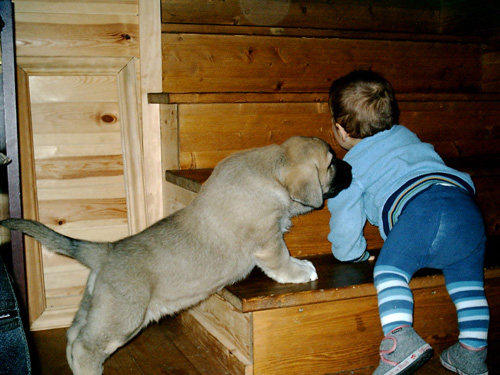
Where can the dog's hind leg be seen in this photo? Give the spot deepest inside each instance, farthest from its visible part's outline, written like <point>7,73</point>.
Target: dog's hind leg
<point>90,351</point>
<point>110,323</point>
<point>78,322</point>
<point>80,318</point>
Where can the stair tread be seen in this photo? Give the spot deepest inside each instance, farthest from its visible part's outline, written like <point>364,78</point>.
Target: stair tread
<point>336,281</point>
<point>305,97</point>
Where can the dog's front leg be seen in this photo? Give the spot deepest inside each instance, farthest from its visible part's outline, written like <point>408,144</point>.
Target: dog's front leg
<point>276,262</point>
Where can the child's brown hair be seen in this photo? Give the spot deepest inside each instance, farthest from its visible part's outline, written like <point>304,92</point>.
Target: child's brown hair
<point>363,103</point>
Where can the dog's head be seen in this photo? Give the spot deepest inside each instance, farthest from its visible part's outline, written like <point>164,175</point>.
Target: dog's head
<point>312,172</point>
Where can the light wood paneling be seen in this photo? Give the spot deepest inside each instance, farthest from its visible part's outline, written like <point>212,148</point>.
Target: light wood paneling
<point>76,138</point>
<point>89,88</point>
<point>58,34</point>
<point>81,68</point>
<point>72,65</point>
<point>112,7</point>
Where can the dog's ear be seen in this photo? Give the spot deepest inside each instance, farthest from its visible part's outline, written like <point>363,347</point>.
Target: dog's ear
<point>300,173</point>
<point>304,186</point>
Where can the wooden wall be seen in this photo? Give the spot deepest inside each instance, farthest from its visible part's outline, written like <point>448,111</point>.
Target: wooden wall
<point>82,116</point>
<point>235,79</point>
<point>91,153</point>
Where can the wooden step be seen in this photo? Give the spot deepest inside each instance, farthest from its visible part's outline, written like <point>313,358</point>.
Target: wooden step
<point>258,326</point>
<point>326,326</point>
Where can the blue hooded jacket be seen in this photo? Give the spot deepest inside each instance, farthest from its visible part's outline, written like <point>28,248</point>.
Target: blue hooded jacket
<point>381,165</point>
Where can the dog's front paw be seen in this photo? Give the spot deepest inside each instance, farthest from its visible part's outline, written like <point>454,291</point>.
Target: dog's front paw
<point>299,271</point>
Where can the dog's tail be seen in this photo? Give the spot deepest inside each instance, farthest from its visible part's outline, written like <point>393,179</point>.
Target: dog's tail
<point>89,253</point>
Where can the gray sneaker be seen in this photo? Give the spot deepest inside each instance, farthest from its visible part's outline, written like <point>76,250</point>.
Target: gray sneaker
<point>464,360</point>
<point>402,352</point>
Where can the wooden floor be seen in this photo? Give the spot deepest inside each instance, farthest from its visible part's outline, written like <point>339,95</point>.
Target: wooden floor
<point>162,349</point>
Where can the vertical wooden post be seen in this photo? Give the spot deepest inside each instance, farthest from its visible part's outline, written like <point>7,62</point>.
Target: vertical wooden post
<point>132,148</point>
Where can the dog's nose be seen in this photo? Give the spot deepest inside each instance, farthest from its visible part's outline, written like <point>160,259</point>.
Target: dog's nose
<point>343,175</point>
<point>342,179</point>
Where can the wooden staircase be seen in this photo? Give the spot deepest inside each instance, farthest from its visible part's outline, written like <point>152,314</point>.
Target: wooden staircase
<point>259,326</point>
<point>230,84</point>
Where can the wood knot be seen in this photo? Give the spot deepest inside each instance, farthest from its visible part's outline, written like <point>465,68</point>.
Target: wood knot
<point>108,119</point>
<point>126,37</point>
<point>61,222</point>
<point>279,85</point>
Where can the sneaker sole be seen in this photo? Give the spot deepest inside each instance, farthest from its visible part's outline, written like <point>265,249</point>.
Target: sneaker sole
<point>448,366</point>
<point>412,362</point>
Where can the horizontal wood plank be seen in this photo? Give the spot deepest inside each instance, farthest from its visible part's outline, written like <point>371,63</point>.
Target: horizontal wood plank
<point>74,117</point>
<point>116,7</point>
<point>79,167</point>
<point>76,35</point>
<point>85,188</point>
<point>58,212</point>
<point>65,284</point>
<point>176,28</point>
<point>72,65</point>
<point>49,89</point>
<point>379,16</point>
<point>94,230</point>
<point>227,63</point>
<point>210,132</point>
<point>72,150</point>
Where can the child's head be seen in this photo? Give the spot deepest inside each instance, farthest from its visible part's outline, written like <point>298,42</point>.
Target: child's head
<point>363,103</point>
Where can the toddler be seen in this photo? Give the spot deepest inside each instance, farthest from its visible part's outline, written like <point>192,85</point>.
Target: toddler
<point>426,215</point>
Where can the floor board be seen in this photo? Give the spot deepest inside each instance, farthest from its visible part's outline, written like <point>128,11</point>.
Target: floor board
<point>162,349</point>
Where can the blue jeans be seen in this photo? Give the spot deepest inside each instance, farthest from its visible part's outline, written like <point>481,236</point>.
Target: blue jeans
<point>440,228</point>
<point>14,353</point>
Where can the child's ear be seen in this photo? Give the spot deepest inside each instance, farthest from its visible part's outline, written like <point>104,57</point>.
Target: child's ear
<point>341,131</point>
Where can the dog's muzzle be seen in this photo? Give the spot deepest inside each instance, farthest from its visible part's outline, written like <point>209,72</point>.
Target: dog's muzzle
<point>342,179</point>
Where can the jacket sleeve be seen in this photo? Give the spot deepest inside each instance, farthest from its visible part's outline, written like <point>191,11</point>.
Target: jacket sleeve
<point>347,221</point>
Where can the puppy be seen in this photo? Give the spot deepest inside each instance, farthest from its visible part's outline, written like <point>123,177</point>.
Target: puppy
<point>236,222</point>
